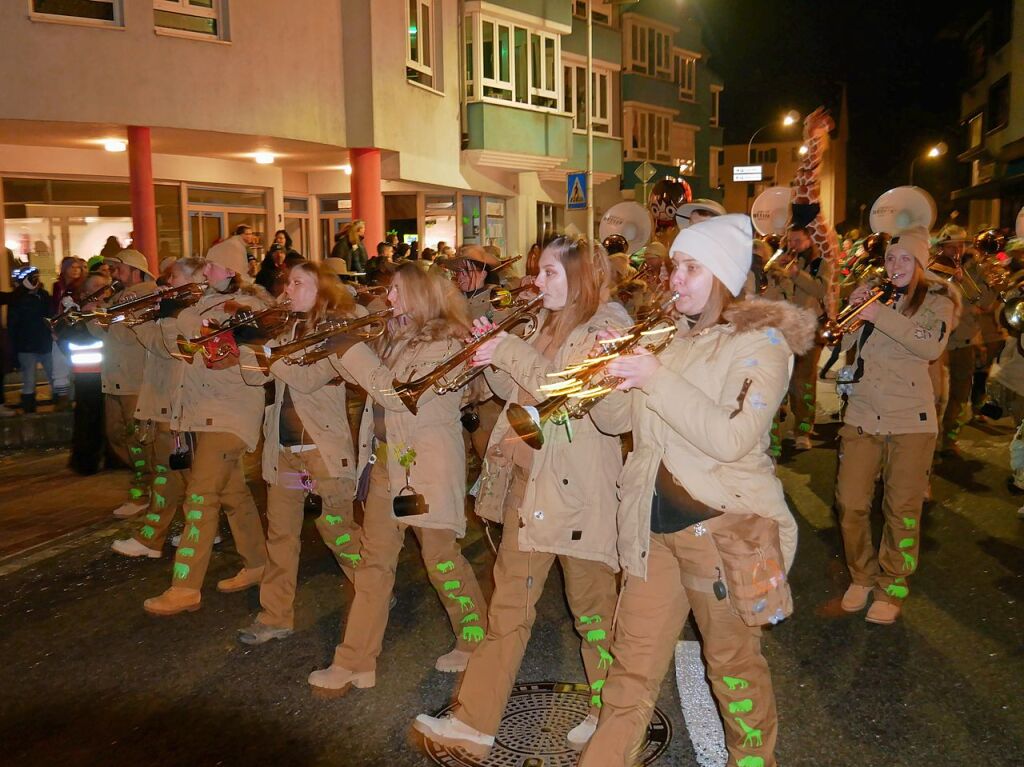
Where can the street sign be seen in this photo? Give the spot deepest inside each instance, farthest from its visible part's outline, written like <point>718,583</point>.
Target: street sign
<point>576,191</point>
<point>645,172</point>
<point>746,173</point>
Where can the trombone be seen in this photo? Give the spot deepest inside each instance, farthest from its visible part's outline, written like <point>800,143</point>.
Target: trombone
<point>437,379</point>
<point>506,298</point>
<point>957,273</point>
<point>831,332</point>
<point>74,314</point>
<point>365,328</point>
<point>583,386</point>
<point>219,343</point>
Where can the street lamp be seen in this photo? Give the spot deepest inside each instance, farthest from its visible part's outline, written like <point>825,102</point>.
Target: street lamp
<point>936,151</point>
<point>790,118</point>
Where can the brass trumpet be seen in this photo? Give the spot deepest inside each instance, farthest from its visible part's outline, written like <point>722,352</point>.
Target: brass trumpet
<point>219,344</point>
<point>74,314</point>
<point>831,332</point>
<point>365,328</point>
<point>437,379</point>
<point>504,298</point>
<point>583,386</point>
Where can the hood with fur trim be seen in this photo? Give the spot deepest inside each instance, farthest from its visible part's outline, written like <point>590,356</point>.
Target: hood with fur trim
<point>797,325</point>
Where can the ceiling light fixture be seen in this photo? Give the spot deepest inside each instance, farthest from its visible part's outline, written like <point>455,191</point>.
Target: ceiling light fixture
<point>263,158</point>
<point>115,145</point>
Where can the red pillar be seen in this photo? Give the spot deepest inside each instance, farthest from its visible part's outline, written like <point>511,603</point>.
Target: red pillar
<point>140,179</point>
<point>367,200</point>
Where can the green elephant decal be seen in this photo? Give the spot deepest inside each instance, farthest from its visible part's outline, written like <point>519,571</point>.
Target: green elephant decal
<point>586,620</point>
<point>445,567</point>
<point>147,532</point>
<point>153,517</point>
<point>471,618</point>
<point>906,543</point>
<point>735,683</point>
<point>899,592</point>
<point>180,571</point>
<point>752,735</point>
<point>909,562</point>
<point>465,603</point>
<point>606,658</point>
<point>332,519</point>
<point>342,539</point>
<point>596,635</point>
<point>140,463</point>
<point>744,706</point>
<point>193,533</point>
<point>452,585</point>
<point>595,698</point>
<point>185,551</point>
<point>909,523</point>
<point>750,761</point>
<point>194,515</point>
<point>472,634</point>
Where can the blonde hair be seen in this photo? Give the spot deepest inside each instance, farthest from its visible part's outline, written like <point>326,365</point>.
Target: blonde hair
<point>350,233</point>
<point>331,297</point>
<point>586,276</point>
<point>427,296</point>
<point>191,268</point>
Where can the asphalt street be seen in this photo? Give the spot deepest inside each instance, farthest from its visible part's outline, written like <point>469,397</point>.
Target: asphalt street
<point>88,678</point>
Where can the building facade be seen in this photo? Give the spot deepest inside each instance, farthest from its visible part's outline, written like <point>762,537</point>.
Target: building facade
<point>992,117</point>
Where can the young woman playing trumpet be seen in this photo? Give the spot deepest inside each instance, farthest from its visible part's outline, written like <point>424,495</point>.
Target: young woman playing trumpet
<point>412,470</point>
<point>555,503</point>
<point>890,425</point>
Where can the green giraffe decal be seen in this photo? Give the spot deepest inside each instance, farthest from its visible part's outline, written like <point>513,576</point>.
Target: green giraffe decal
<point>195,498</point>
<point>752,736</point>
<point>180,571</point>
<point>153,517</point>
<point>606,658</point>
<point>465,603</point>
<point>596,635</point>
<point>159,480</point>
<point>445,567</point>
<point>586,620</point>
<point>899,592</point>
<point>595,698</point>
<point>909,562</point>
<point>194,515</point>
<point>193,533</point>
<point>744,706</point>
<point>735,683</point>
<point>161,501</point>
<point>135,493</point>
<point>909,523</point>
<point>185,551</point>
<point>352,559</point>
<point>332,519</point>
<point>452,585</point>
<point>750,761</point>
<point>906,543</point>
<point>472,634</point>
<point>342,539</point>
<point>147,532</point>
<point>471,618</point>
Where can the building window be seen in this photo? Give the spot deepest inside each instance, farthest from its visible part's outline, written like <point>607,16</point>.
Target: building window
<point>716,159</point>
<point>199,18</point>
<point>419,51</point>
<point>686,76</point>
<point>975,130</point>
<point>977,53</point>
<point>515,64</point>
<point>601,12</point>
<point>102,12</point>
<point>650,49</point>
<point>716,92</point>
<point>574,101</point>
<point>766,155</point>
<point>648,134</point>
<point>999,104</point>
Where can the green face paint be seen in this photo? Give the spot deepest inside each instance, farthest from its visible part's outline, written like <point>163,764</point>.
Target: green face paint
<point>752,735</point>
<point>744,706</point>
<point>181,571</point>
<point>586,620</point>
<point>342,539</point>
<point>153,517</point>
<point>193,515</point>
<point>332,519</point>
<point>184,551</point>
<point>906,543</point>
<point>899,592</point>
<point>596,635</point>
<point>147,532</point>
<point>735,683</point>
<point>193,533</point>
<point>472,634</point>
<point>471,618</point>
<point>452,585</point>
<point>445,567</point>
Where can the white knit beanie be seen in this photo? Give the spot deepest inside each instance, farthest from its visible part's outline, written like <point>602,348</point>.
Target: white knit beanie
<point>914,240</point>
<point>722,244</point>
<point>230,254</point>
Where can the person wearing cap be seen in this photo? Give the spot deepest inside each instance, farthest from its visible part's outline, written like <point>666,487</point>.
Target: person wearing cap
<point>469,266</point>
<point>556,503</point>
<point>223,407</point>
<point>890,424</point>
<point>696,211</point>
<point>123,361</point>
<point>29,308</point>
<point>700,413</point>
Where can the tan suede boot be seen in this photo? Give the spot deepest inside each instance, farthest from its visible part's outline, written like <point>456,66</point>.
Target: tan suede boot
<point>244,579</point>
<point>175,600</point>
<point>335,681</point>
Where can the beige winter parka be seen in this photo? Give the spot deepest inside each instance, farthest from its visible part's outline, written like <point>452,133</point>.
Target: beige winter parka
<point>435,433</point>
<point>707,413</point>
<point>162,375</point>
<point>123,355</point>
<point>569,504</point>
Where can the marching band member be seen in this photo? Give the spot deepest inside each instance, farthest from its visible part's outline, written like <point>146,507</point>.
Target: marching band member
<point>470,268</point>
<point>161,381</point>
<point>558,503</point>
<point>703,523</point>
<point>225,412</point>
<point>305,452</point>
<point>412,471</point>
<point>891,426</point>
<point>123,359</point>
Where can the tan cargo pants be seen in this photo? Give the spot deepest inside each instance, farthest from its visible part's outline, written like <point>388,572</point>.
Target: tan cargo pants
<point>519,576</point>
<point>961,378</point>
<point>648,622</point>
<point>166,492</point>
<point>217,481</point>
<point>125,438</point>
<point>450,574</point>
<point>803,391</point>
<point>285,509</point>
<point>905,462</point>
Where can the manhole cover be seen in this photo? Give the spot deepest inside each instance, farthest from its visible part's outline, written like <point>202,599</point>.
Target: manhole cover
<point>533,729</point>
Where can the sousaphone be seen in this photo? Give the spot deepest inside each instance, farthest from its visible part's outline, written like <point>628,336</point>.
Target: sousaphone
<point>770,211</point>
<point>630,220</point>
<point>902,207</point>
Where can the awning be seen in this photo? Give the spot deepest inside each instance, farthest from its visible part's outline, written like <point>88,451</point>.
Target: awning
<point>990,190</point>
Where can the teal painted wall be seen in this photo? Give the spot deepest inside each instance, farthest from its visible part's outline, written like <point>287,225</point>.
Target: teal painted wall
<point>507,129</point>
<point>558,11</point>
<point>607,42</point>
<point>607,154</point>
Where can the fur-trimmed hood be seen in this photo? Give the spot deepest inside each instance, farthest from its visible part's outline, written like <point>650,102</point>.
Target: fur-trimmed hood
<point>797,325</point>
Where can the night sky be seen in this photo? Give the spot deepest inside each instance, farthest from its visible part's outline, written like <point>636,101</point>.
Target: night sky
<point>902,63</point>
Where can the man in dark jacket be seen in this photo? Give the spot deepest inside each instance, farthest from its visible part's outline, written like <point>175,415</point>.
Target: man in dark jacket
<point>30,332</point>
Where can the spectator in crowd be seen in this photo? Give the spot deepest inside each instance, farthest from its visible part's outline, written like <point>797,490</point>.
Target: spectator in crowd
<point>111,247</point>
<point>30,332</point>
<point>352,248</point>
<point>69,281</point>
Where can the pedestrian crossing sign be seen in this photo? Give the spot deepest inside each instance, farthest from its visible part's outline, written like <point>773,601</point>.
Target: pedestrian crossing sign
<point>576,191</point>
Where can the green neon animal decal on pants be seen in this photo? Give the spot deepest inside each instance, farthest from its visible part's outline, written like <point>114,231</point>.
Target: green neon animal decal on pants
<point>586,620</point>
<point>193,533</point>
<point>744,706</point>
<point>161,469</point>
<point>185,551</point>
<point>750,761</point>
<point>445,567</point>
<point>140,463</point>
<point>465,603</point>
<point>194,515</point>
<point>153,517</point>
<point>332,519</point>
<point>752,735</point>
<point>135,450</point>
<point>194,498</point>
<point>452,585</point>
<point>899,592</point>
<point>159,480</point>
<point>909,562</point>
<point>606,658</point>
<point>161,502</point>
<point>909,522</point>
<point>906,543</point>
<point>596,635</point>
<point>352,559</point>
<point>595,698</point>
<point>472,634</point>
<point>342,539</point>
<point>147,532</point>
<point>180,571</point>
<point>735,683</point>
<point>471,618</point>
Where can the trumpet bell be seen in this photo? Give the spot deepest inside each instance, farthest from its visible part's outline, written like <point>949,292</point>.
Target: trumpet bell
<point>526,421</point>
<point>1012,315</point>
